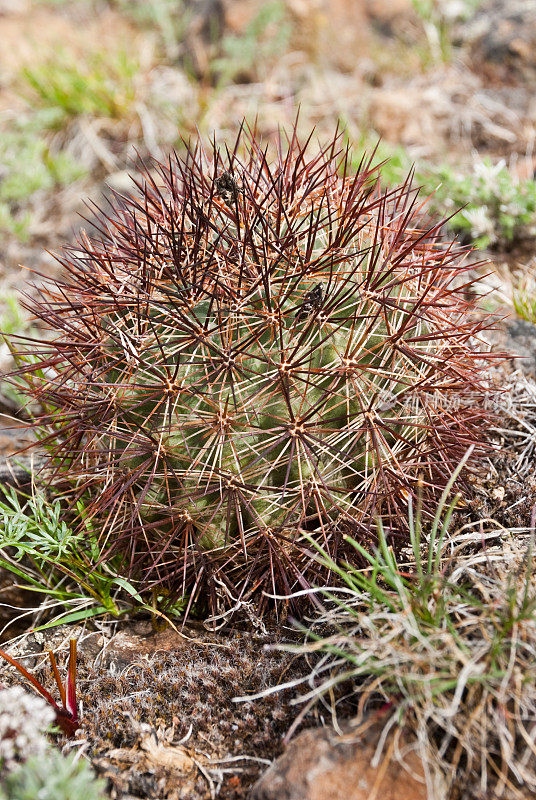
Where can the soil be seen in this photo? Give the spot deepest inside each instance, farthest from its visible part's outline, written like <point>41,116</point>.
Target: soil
<point>159,717</point>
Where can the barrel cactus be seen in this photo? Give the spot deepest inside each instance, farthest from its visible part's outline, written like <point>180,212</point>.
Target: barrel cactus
<point>251,353</point>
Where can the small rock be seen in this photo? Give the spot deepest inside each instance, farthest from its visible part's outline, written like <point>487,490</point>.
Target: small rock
<point>321,765</point>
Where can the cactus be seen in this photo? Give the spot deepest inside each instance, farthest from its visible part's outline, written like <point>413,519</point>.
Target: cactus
<point>251,353</point>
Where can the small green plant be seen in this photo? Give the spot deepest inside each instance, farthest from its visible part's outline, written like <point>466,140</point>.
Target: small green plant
<point>489,206</point>
<point>28,166</point>
<point>497,207</point>
<point>103,85</point>
<point>52,777</point>
<point>264,38</point>
<point>64,565</point>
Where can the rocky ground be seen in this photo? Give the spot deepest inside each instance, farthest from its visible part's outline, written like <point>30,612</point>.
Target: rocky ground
<point>450,86</point>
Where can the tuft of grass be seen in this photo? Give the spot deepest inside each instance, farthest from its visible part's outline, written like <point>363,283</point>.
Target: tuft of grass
<point>443,644</point>
<point>101,86</point>
<point>524,299</point>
